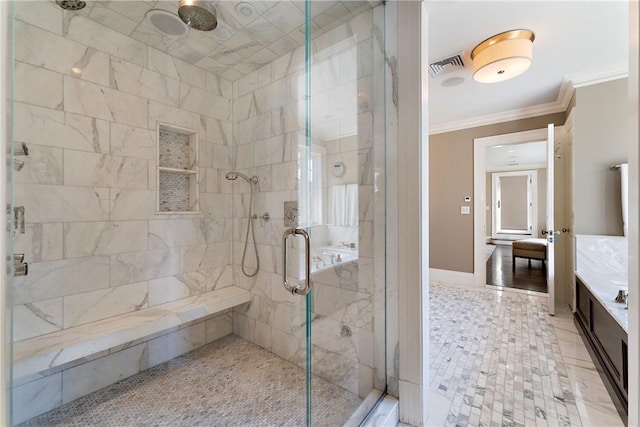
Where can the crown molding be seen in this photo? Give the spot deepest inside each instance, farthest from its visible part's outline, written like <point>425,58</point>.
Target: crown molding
<point>557,106</point>
<point>610,74</point>
<point>567,89</point>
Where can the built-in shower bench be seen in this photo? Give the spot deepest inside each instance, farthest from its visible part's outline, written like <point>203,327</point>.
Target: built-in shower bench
<point>58,348</point>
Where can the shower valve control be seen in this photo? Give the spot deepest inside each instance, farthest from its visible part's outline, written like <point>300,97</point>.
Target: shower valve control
<point>20,268</point>
<point>18,220</point>
<point>291,214</point>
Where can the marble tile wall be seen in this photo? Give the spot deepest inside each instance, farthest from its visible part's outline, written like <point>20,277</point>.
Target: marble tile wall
<point>88,100</point>
<point>348,115</point>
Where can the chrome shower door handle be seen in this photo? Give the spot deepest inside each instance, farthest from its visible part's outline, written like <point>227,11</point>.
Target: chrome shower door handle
<point>295,289</point>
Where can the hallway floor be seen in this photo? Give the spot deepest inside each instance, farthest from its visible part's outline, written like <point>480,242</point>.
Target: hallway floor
<point>230,382</point>
<point>498,358</point>
<point>500,271</point>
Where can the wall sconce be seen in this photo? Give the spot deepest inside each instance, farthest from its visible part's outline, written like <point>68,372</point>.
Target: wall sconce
<point>503,56</point>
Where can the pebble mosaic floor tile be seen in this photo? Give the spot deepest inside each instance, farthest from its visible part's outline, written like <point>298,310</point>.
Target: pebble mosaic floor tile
<point>227,383</point>
<point>495,357</point>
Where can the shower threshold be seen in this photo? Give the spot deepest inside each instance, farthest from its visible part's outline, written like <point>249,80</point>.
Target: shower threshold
<point>228,382</point>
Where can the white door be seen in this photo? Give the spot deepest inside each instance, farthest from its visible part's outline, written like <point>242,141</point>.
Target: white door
<point>549,232</point>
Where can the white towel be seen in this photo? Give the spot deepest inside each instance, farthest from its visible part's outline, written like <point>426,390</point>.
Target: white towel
<point>624,195</point>
<point>351,205</point>
<point>338,197</point>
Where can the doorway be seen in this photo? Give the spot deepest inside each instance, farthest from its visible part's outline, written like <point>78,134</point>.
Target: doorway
<point>516,194</point>
<point>501,268</point>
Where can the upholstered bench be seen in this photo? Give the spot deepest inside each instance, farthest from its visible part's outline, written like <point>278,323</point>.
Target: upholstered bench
<point>530,249</point>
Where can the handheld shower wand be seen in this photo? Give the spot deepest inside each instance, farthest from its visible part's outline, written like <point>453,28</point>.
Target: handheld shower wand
<point>253,181</point>
<point>233,175</point>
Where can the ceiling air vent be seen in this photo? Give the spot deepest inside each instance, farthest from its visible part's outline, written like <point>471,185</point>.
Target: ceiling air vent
<point>446,65</point>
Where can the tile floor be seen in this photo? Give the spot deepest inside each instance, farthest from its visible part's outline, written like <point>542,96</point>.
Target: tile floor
<point>498,358</point>
<point>227,383</point>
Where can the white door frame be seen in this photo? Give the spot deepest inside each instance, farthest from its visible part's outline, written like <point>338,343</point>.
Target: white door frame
<point>412,197</point>
<point>479,192</point>
<point>550,223</point>
<point>634,213</point>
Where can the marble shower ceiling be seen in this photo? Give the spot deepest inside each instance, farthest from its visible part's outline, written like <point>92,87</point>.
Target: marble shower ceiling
<point>240,44</point>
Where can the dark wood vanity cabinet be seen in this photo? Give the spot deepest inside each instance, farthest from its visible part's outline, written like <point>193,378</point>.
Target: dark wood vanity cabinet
<point>606,337</point>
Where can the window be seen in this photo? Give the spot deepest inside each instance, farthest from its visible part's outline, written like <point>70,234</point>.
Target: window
<point>514,203</point>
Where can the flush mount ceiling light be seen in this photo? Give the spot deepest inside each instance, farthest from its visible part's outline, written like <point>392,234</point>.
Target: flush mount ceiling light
<point>503,56</point>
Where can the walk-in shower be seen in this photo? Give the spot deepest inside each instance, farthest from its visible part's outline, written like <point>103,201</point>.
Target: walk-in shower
<point>152,145</point>
<point>253,182</point>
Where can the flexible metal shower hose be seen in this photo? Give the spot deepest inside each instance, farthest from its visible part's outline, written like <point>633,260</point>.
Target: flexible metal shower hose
<point>253,236</point>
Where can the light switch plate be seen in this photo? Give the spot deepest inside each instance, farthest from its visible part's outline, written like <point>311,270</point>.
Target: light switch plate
<point>465,210</point>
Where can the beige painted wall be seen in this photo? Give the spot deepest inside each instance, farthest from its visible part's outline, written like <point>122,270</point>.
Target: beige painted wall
<point>600,140</point>
<point>451,179</point>
<point>541,212</point>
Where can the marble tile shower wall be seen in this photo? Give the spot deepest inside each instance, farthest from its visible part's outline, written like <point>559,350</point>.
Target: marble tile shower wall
<point>268,127</point>
<point>87,102</point>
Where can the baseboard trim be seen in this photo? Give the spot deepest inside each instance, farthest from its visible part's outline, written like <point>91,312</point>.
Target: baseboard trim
<point>448,276</point>
<point>502,242</point>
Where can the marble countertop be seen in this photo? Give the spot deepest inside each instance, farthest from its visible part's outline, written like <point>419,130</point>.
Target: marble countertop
<point>602,265</point>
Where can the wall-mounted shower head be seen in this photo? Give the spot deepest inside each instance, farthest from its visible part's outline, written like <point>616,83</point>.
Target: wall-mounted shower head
<point>233,175</point>
<point>198,14</point>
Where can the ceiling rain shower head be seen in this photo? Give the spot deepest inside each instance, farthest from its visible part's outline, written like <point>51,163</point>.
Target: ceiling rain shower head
<point>71,4</point>
<point>198,14</point>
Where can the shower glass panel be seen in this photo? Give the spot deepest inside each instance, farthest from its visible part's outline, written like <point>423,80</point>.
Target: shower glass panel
<point>342,197</point>
<point>284,102</point>
<point>7,158</point>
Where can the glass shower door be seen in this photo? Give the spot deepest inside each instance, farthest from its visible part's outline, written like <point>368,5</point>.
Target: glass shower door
<point>340,155</point>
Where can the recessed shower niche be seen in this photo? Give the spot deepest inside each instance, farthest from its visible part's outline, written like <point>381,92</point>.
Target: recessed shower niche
<point>177,170</point>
